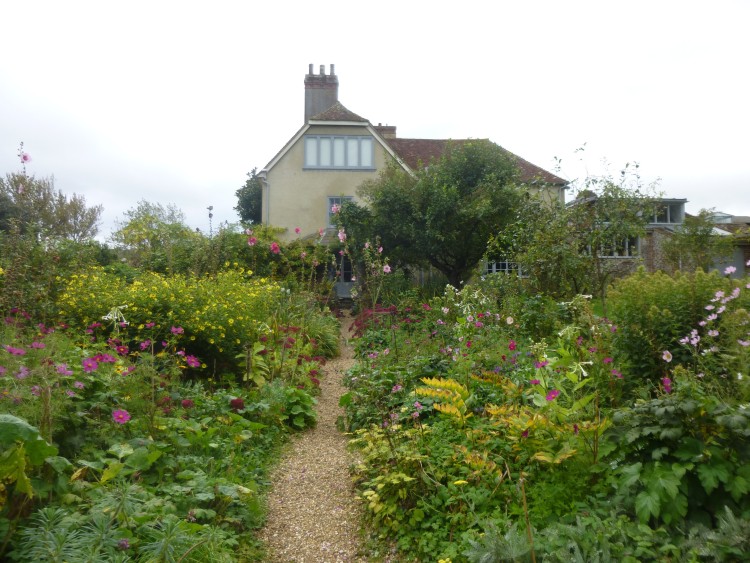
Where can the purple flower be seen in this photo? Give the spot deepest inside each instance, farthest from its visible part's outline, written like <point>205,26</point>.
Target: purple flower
<point>38,345</point>
<point>539,365</point>
<point>617,374</point>
<point>418,405</point>
<point>3,370</point>
<point>552,395</point>
<point>70,393</point>
<point>15,351</point>
<point>78,385</point>
<point>396,388</point>
<point>607,360</point>
<point>89,365</point>
<point>150,325</point>
<point>534,382</point>
<point>667,383</point>
<point>145,344</point>
<point>62,369</point>
<point>192,361</point>
<point>122,350</point>
<point>23,372</point>
<point>120,416</point>
<point>177,330</point>
<point>730,270</point>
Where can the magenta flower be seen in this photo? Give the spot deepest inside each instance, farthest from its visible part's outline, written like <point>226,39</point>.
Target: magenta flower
<point>539,365</point>
<point>14,351</point>
<point>252,241</point>
<point>667,383</point>
<point>150,325</point>
<point>122,350</point>
<point>120,416</point>
<point>617,374</point>
<point>38,345</point>
<point>36,390</point>
<point>534,382</point>
<point>3,370</point>
<point>187,404</point>
<point>335,208</point>
<point>297,230</point>
<point>512,345</point>
<point>89,365</point>
<point>192,361</point>
<point>70,393</point>
<point>78,385</point>
<point>62,369</point>
<point>607,360</point>
<point>145,344</point>
<point>342,235</point>
<point>396,388</point>
<point>418,405</point>
<point>25,158</point>
<point>386,269</point>
<point>23,372</point>
<point>275,248</point>
<point>177,330</point>
<point>552,395</point>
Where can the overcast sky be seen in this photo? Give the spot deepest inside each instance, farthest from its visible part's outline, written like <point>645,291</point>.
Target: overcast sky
<point>174,102</point>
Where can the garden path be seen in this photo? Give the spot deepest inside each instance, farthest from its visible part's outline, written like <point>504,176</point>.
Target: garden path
<point>312,513</point>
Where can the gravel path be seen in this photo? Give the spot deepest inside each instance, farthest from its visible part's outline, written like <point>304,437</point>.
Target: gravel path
<point>312,514</point>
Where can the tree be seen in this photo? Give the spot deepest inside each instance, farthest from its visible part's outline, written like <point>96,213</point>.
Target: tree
<point>569,249</point>
<point>697,244</point>
<point>156,237</point>
<point>444,214</point>
<point>250,198</point>
<point>39,209</point>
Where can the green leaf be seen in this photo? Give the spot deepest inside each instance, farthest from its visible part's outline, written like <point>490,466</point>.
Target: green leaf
<point>112,471</point>
<point>38,450</point>
<point>14,429</point>
<point>121,450</point>
<point>13,469</point>
<point>59,464</point>
<point>630,475</point>
<point>647,504</point>
<point>710,474</point>
<point>663,480</point>
<point>345,400</point>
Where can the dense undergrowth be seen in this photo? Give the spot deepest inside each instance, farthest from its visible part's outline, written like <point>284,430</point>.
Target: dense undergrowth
<point>494,426</point>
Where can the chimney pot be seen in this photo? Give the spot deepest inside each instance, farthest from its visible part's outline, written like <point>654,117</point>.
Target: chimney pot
<point>322,70</point>
<point>321,91</point>
<point>333,72</point>
<point>311,70</point>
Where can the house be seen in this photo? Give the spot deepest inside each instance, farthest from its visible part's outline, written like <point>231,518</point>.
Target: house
<point>336,150</point>
<point>738,227</point>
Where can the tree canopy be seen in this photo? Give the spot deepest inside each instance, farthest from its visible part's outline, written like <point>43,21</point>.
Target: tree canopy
<point>37,207</point>
<point>442,214</point>
<point>250,198</point>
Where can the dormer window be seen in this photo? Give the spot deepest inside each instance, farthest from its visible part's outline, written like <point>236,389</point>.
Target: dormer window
<point>345,152</point>
<point>668,213</point>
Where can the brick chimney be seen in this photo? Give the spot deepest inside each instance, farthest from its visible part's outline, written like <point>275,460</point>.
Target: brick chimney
<point>321,91</point>
<point>386,131</point>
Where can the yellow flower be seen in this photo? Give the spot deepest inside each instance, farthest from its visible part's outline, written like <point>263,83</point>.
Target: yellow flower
<point>460,482</point>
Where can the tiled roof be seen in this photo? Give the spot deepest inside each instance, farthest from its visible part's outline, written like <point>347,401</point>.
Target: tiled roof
<point>416,151</point>
<point>338,112</point>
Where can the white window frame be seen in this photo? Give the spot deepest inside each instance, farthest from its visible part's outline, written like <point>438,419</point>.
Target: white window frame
<point>629,247</point>
<point>503,266</point>
<point>339,152</point>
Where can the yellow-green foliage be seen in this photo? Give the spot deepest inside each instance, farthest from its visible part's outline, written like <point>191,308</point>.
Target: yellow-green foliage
<point>218,313</point>
<point>451,394</point>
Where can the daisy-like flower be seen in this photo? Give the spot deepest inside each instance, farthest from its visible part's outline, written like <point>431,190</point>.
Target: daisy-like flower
<point>120,416</point>
<point>666,355</point>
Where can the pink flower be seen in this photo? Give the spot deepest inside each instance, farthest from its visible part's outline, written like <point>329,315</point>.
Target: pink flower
<point>297,230</point>
<point>540,365</point>
<point>62,369</point>
<point>743,343</point>
<point>15,351</point>
<point>252,241</point>
<point>192,361</point>
<point>275,248</point>
<point>177,330</point>
<point>89,365</point>
<point>78,385</point>
<point>667,383</point>
<point>38,345</point>
<point>617,374</point>
<point>386,269</point>
<point>321,231</point>
<point>342,235</point>
<point>145,344</point>
<point>607,360</point>
<point>187,404</point>
<point>249,232</point>
<point>666,356</point>
<point>512,345</point>
<point>534,382</point>
<point>25,157</point>
<point>396,388</point>
<point>303,255</point>
<point>380,250</point>
<point>150,325</point>
<point>552,395</point>
<point>730,270</point>
<point>120,416</point>
<point>122,350</point>
<point>335,208</point>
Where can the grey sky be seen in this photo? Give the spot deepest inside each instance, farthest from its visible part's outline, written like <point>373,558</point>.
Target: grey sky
<point>174,102</point>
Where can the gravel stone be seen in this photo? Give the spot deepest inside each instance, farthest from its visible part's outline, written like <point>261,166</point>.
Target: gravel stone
<point>313,514</point>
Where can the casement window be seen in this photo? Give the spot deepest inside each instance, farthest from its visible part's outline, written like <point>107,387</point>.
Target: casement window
<point>620,248</point>
<point>503,266</point>
<point>339,152</point>
<point>335,202</point>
